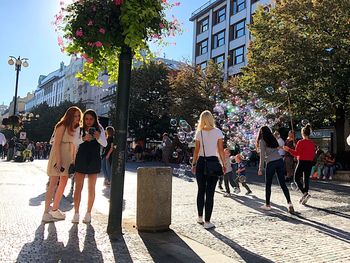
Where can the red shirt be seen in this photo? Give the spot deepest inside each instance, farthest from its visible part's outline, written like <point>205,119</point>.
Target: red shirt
<point>304,150</point>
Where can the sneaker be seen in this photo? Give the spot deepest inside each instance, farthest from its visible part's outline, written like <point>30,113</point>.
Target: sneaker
<point>324,178</point>
<point>265,207</point>
<point>291,209</point>
<point>57,214</point>
<point>330,178</point>
<point>47,218</point>
<point>87,218</point>
<point>227,194</point>
<point>208,225</point>
<point>75,219</point>
<point>108,183</point>
<point>249,192</point>
<point>200,220</point>
<point>236,190</point>
<point>306,198</point>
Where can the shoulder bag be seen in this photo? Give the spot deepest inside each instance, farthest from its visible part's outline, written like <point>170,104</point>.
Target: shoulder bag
<point>212,166</point>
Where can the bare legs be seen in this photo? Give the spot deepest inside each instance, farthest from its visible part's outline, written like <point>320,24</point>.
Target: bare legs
<point>59,191</point>
<point>79,183</point>
<point>50,191</point>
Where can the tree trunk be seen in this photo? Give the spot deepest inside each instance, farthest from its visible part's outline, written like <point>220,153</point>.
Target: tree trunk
<point>339,129</point>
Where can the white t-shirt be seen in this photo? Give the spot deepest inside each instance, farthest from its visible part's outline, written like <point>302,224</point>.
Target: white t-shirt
<point>210,140</point>
<point>281,144</point>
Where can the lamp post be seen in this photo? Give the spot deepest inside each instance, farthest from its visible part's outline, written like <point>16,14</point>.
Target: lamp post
<point>18,62</point>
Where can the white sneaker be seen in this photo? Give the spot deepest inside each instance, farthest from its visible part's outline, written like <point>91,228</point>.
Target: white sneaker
<point>57,214</point>
<point>227,194</point>
<point>200,220</point>
<point>75,219</point>
<point>306,198</point>
<point>236,190</point>
<point>208,225</point>
<point>87,218</point>
<point>265,207</point>
<point>47,218</point>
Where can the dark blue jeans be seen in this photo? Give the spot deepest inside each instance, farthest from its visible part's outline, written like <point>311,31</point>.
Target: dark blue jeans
<point>206,189</point>
<point>272,168</point>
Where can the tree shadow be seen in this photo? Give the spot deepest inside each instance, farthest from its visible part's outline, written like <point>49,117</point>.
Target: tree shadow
<point>120,250</point>
<point>42,250</point>
<point>168,247</point>
<point>244,253</point>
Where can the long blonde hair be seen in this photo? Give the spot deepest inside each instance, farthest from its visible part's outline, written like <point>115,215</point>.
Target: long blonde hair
<point>206,120</point>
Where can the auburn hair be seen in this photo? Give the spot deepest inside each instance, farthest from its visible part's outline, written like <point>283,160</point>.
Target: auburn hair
<point>68,119</point>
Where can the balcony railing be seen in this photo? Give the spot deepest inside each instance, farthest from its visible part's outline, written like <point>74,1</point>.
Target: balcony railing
<point>203,7</point>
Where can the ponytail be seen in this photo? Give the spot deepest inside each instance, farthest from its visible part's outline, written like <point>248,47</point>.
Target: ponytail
<point>306,131</point>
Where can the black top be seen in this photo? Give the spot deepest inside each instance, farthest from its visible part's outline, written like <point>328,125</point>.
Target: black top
<point>108,147</point>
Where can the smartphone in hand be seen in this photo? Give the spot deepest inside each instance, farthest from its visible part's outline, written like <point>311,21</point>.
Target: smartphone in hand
<point>61,169</point>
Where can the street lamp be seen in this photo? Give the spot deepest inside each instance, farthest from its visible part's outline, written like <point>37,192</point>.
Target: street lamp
<point>18,62</point>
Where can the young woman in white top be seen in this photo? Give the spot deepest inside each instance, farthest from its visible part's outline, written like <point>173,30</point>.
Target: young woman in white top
<point>209,145</point>
<point>88,161</point>
<point>61,157</point>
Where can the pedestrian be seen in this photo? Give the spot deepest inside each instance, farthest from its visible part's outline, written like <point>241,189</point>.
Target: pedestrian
<point>289,160</point>
<point>228,177</point>
<point>2,144</point>
<point>88,161</point>
<point>138,152</point>
<point>166,149</point>
<point>318,164</point>
<point>11,148</point>
<point>329,167</point>
<point>206,165</point>
<point>268,146</point>
<point>107,156</point>
<point>240,175</point>
<point>60,159</point>
<point>280,143</point>
<point>305,154</point>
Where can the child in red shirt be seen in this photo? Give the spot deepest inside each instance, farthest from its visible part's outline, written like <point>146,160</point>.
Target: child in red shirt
<point>305,153</point>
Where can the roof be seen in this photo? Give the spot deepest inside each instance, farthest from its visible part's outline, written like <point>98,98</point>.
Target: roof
<point>204,8</point>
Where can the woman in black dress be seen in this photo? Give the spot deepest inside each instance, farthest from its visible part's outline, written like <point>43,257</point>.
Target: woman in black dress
<point>88,161</point>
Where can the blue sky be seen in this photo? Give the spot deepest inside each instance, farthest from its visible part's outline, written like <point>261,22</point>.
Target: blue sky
<point>26,31</point>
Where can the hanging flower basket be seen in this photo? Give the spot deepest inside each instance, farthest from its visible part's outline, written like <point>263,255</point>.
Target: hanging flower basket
<point>98,29</point>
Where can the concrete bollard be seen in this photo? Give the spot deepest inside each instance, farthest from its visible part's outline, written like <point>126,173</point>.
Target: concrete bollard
<point>154,189</point>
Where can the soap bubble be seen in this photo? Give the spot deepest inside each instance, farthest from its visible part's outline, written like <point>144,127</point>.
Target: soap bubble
<point>188,167</point>
<point>269,90</point>
<point>304,122</point>
<point>175,171</point>
<point>175,155</point>
<point>173,122</point>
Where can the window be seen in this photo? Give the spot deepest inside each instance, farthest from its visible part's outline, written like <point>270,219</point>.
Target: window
<point>219,39</point>
<point>220,59</point>
<point>203,66</point>
<point>237,6</point>
<point>237,56</point>
<point>202,47</point>
<point>238,30</point>
<point>203,25</point>
<point>220,15</point>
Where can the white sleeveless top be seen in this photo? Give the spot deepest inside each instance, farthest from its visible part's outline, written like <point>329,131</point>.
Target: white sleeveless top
<point>210,141</point>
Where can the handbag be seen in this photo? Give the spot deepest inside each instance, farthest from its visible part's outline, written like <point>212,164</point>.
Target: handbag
<point>212,166</point>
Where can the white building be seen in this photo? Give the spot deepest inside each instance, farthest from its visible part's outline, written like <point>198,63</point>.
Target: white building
<point>220,33</point>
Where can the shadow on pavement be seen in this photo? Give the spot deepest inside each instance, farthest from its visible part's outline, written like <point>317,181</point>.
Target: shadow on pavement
<point>36,201</point>
<point>42,250</point>
<point>329,211</point>
<point>168,247</point>
<point>120,251</point>
<point>244,253</point>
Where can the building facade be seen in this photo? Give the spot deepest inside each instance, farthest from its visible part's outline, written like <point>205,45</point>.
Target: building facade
<point>220,33</point>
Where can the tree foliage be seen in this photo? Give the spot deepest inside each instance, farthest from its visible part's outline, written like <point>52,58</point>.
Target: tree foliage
<point>303,47</point>
<point>194,90</point>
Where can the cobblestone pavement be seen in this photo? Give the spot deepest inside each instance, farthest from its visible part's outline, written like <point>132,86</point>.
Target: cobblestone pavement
<point>319,232</point>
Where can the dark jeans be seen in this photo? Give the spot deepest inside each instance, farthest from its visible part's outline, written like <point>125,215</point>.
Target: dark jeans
<point>206,189</point>
<point>244,184</point>
<point>302,174</point>
<point>271,169</point>
<point>229,178</point>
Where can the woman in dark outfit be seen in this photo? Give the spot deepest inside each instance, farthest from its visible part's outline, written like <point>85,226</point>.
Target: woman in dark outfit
<point>88,161</point>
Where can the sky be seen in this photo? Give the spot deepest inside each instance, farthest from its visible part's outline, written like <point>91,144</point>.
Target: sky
<point>26,30</point>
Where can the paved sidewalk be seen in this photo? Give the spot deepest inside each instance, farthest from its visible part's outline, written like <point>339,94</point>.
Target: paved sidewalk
<point>243,233</point>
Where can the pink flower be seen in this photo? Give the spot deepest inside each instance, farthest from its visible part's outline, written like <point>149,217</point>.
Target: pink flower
<point>89,60</point>
<point>90,23</point>
<point>60,41</point>
<point>118,2</point>
<point>164,1</point>
<point>61,2</point>
<point>98,44</point>
<point>90,44</point>
<point>161,25</point>
<point>102,31</point>
<point>62,49</point>
<point>79,33</point>
<point>177,4</point>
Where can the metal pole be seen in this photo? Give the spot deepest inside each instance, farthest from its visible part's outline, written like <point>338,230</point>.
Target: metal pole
<point>114,228</point>
<point>17,68</point>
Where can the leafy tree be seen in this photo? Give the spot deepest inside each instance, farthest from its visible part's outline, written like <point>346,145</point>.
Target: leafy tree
<point>149,101</point>
<point>303,47</point>
<point>40,129</point>
<point>194,90</point>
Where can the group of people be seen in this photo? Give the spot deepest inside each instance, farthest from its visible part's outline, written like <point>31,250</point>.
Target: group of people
<point>76,148</point>
<point>211,160</point>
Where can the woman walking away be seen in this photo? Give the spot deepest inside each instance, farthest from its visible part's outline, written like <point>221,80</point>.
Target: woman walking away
<point>107,156</point>
<point>206,165</point>
<point>88,161</point>
<point>267,144</point>
<point>305,153</point>
<point>61,157</point>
